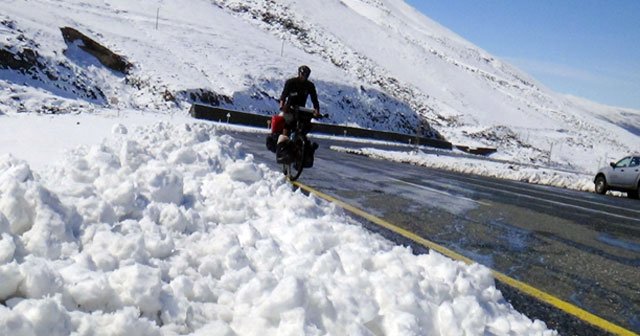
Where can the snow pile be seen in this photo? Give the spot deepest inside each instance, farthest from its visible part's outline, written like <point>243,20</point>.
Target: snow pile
<point>166,230</point>
<point>414,75</point>
<point>483,167</point>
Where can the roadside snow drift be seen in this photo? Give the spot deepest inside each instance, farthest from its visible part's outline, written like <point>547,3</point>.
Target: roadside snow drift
<point>474,165</point>
<point>167,230</point>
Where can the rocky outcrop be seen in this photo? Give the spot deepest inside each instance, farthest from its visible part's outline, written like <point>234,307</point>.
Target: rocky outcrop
<point>43,70</point>
<point>107,57</point>
<point>22,60</point>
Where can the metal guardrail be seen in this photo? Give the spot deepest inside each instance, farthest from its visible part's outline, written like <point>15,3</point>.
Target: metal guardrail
<point>212,113</point>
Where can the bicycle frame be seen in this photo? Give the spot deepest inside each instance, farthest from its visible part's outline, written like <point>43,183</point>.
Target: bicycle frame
<point>299,142</point>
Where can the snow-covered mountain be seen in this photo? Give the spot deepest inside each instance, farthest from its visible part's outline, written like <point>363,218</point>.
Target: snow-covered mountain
<point>377,64</point>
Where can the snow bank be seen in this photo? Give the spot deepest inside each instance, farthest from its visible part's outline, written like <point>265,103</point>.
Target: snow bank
<point>470,165</point>
<point>168,230</point>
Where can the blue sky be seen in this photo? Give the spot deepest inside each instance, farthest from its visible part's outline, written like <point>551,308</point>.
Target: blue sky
<point>587,48</point>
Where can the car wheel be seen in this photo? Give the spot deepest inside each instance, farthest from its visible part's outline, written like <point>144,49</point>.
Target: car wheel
<point>601,185</point>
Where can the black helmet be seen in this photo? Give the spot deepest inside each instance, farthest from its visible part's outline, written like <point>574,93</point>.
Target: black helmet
<point>304,71</point>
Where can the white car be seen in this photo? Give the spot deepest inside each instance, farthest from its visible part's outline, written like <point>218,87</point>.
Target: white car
<point>623,175</point>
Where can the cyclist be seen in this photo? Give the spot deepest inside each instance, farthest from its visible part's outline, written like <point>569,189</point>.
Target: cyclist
<point>295,93</point>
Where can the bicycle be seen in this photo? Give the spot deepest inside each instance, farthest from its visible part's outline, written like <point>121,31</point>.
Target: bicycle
<point>300,149</point>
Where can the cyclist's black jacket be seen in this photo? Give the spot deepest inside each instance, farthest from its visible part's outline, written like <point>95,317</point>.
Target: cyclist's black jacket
<point>296,90</point>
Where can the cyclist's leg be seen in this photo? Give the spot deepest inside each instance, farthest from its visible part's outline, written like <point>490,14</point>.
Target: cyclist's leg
<point>289,123</point>
<point>306,129</point>
<point>282,144</point>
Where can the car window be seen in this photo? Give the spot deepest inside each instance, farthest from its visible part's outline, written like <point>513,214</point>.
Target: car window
<point>623,163</point>
<point>635,162</point>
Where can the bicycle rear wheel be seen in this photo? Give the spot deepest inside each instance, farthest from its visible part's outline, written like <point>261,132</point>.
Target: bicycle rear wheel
<point>294,169</point>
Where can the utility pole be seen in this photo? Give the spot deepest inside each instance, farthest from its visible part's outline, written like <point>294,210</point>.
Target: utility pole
<point>282,48</point>
<point>418,133</point>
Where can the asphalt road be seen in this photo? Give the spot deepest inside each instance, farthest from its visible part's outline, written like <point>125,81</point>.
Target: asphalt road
<point>580,247</point>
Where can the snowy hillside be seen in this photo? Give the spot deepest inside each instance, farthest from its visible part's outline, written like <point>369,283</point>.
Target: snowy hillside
<point>377,64</point>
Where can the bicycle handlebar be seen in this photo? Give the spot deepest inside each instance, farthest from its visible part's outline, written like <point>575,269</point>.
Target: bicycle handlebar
<point>309,110</point>
<point>305,109</point>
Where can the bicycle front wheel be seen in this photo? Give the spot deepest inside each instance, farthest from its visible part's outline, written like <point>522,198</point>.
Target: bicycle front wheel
<point>297,164</point>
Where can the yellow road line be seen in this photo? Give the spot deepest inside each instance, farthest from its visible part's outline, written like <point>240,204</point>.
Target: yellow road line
<point>521,286</point>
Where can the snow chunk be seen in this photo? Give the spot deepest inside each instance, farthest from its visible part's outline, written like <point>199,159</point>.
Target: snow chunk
<point>89,289</point>
<point>119,129</point>
<point>47,316</point>
<point>126,321</point>
<point>39,278</point>
<point>5,227</point>
<point>132,155</point>
<point>245,171</point>
<point>11,279</point>
<point>7,248</point>
<point>13,323</point>
<point>287,295</point>
<point>15,208</point>
<point>173,218</point>
<point>161,184</point>
<point>13,169</point>
<point>138,286</point>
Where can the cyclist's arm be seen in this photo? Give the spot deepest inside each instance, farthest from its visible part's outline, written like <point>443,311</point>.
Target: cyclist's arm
<point>285,93</point>
<point>314,99</point>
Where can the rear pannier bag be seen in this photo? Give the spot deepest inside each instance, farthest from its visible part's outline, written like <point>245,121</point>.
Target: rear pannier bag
<point>272,140</point>
<point>277,124</point>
